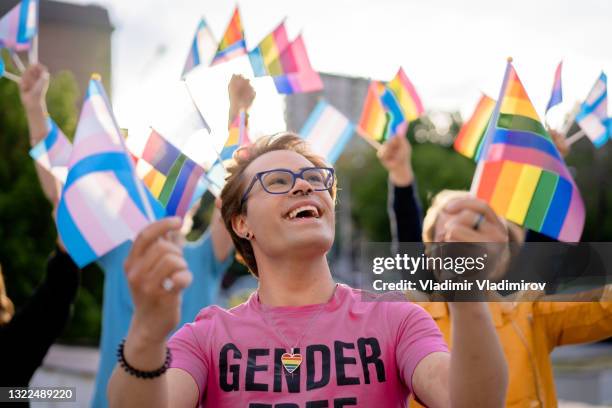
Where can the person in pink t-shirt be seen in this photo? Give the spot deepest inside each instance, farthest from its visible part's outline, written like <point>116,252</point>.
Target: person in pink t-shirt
<point>301,340</point>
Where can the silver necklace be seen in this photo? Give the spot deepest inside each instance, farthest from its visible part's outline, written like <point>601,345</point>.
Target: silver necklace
<point>291,361</point>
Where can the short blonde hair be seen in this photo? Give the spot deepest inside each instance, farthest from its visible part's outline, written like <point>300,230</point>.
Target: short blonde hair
<point>231,195</point>
<point>7,309</point>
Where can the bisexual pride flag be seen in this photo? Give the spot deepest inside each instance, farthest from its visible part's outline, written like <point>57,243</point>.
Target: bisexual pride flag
<point>556,95</point>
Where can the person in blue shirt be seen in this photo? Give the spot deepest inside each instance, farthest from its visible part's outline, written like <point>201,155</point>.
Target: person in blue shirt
<point>208,257</point>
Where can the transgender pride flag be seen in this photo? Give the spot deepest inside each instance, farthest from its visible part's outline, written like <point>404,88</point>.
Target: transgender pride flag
<point>103,202</point>
<point>203,48</point>
<point>327,131</point>
<point>19,26</point>
<point>53,152</point>
<point>593,115</point>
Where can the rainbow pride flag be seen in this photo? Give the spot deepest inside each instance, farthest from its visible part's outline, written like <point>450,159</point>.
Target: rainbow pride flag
<point>327,131</point>
<point>374,120</point>
<point>103,203</point>
<point>522,175</point>
<point>173,177</point>
<point>238,136</point>
<point>470,137</point>
<point>406,95</point>
<point>232,44</point>
<point>203,48</point>
<point>265,58</point>
<point>19,26</point>
<point>53,152</point>
<point>556,95</point>
<point>593,115</point>
<point>301,77</point>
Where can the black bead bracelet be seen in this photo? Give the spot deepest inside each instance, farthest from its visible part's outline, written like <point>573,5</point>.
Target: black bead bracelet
<point>139,373</point>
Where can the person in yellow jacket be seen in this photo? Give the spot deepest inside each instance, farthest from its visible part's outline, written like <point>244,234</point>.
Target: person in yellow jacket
<point>529,331</point>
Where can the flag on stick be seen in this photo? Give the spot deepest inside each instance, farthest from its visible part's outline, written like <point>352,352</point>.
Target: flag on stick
<point>593,115</point>
<point>203,48</point>
<point>53,152</point>
<point>238,136</point>
<point>300,76</point>
<point>265,57</point>
<point>521,174</point>
<point>103,203</point>
<point>374,121</point>
<point>232,44</point>
<point>556,95</point>
<point>19,26</point>
<point>406,95</point>
<point>470,137</point>
<point>327,131</point>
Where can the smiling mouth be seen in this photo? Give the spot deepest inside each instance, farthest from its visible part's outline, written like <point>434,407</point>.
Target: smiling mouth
<point>303,212</point>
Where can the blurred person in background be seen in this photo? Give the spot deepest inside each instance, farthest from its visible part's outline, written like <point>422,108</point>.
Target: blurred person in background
<point>208,257</point>
<point>529,331</point>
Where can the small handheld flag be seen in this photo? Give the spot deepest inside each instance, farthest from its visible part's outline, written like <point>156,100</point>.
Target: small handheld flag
<point>374,121</point>
<point>53,152</point>
<point>203,48</point>
<point>265,57</point>
<point>232,44</point>
<point>327,131</point>
<point>593,115</point>
<point>300,76</point>
<point>556,95</point>
<point>102,203</point>
<point>238,136</point>
<point>406,95</point>
<point>19,26</point>
<point>470,137</point>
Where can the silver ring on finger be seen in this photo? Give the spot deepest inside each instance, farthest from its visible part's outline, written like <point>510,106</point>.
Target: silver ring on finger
<point>168,284</point>
<point>479,220</point>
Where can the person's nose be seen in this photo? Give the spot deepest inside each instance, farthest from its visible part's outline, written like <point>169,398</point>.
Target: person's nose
<point>301,187</point>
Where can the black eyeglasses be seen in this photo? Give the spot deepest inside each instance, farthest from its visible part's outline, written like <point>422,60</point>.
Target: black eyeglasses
<point>281,181</point>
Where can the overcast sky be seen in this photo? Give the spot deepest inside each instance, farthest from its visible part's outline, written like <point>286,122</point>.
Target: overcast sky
<point>450,49</point>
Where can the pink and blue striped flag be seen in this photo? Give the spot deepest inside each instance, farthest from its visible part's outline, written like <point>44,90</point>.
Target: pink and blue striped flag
<point>103,203</point>
<point>327,131</point>
<point>53,152</point>
<point>174,176</point>
<point>19,26</point>
<point>203,48</point>
<point>593,115</point>
<point>301,77</point>
<point>556,95</point>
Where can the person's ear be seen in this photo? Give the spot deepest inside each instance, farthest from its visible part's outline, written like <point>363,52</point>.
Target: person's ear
<point>240,226</point>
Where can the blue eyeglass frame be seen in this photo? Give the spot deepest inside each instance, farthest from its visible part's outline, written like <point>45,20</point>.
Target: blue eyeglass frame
<point>299,174</point>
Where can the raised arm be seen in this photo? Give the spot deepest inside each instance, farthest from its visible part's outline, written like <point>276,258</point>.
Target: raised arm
<point>33,90</point>
<point>241,96</point>
<point>155,260</point>
<point>404,211</point>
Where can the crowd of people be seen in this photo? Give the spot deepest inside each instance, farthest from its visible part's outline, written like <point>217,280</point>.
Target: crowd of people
<point>301,339</point>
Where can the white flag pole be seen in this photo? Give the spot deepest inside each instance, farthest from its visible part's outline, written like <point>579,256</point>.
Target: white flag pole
<point>11,76</point>
<point>575,137</point>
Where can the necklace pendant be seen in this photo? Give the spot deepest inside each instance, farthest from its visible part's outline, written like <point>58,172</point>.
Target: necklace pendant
<point>291,361</point>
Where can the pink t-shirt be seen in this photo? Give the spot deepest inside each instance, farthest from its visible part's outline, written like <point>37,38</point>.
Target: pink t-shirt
<point>354,353</point>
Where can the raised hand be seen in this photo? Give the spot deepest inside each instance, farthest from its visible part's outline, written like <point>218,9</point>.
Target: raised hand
<point>33,87</point>
<point>395,156</point>
<point>241,95</point>
<point>469,220</point>
<point>157,273</point>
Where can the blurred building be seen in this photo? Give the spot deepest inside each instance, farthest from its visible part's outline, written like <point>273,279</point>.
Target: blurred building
<point>73,37</point>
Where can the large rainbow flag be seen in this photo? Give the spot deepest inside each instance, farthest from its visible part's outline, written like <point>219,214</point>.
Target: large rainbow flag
<point>232,44</point>
<point>203,48</point>
<point>103,203</point>
<point>374,120</point>
<point>265,58</point>
<point>470,136</point>
<point>173,177</point>
<point>19,26</point>
<point>300,76</point>
<point>521,174</point>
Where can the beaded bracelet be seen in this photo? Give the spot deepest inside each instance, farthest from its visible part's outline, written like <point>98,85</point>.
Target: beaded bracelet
<point>139,373</point>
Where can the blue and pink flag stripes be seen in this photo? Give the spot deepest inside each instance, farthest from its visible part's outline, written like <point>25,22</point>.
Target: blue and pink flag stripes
<point>593,115</point>
<point>101,205</point>
<point>203,48</point>
<point>19,26</point>
<point>301,77</point>
<point>53,152</point>
<point>327,131</point>
<point>556,95</point>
